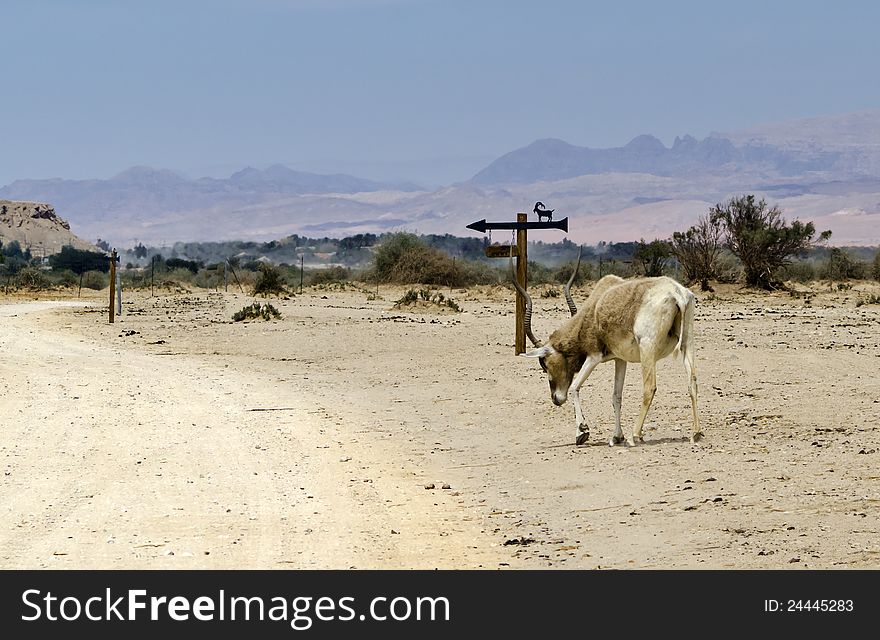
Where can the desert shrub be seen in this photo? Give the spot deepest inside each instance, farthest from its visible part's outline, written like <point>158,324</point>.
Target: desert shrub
<point>331,274</point>
<point>538,273</point>
<point>391,251</point>
<point>697,250</point>
<point>255,311</point>
<point>651,257</point>
<point>550,293</point>
<point>181,276</point>
<point>178,263</point>
<point>798,271</point>
<point>424,265</point>
<point>405,259</point>
<point>269,281</point>
<point>412,297</point>
<point>727,268</point>
<point>761,238</point>
<point>65,278</point>
<point>563,273</point>
<point>615,267</point>
<point>96,280</point>
<point>32,278</point>
<point>210,278</point>
<point>842,266</point>
<point>471,272</point>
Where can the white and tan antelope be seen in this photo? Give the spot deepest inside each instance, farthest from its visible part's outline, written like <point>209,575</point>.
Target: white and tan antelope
<point>641,320</point>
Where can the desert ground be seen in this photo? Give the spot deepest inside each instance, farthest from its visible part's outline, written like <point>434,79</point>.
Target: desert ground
<point>351,434</point>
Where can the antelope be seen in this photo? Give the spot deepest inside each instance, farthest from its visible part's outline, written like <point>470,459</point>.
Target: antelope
<point>641,320</point>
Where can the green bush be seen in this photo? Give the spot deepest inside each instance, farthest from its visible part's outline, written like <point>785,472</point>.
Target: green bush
<point>269,281</point>
<point>255,311</point>
<point>799,271</point>
<point>328,275</point>
<point>563,273</point>
<point>390,253</point>
<point>65,278</point>
<point>842,266</point>
<point>96,280</point>
<point>761,238</point>
<point>79,261</point>
<point>412,296</point>
<point>651,257</point>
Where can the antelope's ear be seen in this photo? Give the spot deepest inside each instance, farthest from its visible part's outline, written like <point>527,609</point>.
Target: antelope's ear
<point>540,352</point>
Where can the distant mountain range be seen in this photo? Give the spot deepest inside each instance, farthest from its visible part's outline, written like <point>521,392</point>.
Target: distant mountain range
<point>821,169</point>
<point>557,160</point>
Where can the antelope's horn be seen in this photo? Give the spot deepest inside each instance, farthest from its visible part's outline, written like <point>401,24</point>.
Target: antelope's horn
<point>524,294</point>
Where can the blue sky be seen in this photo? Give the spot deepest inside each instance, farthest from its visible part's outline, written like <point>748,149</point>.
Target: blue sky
<point>422,89</point>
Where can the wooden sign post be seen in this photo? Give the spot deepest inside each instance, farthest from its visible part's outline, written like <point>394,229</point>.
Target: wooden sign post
<point>520,250</point>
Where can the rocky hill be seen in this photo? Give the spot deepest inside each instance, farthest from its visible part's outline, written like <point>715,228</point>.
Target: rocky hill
<point>36,226</point>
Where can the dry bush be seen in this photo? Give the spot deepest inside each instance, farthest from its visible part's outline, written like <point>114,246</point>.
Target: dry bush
<point>405,259</point>
<point>269,281</point>
<point>32,278</point>
<point>843,266</point>
<point>424,265</point>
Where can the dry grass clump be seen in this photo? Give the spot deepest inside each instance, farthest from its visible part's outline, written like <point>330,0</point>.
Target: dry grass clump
<point>257,311</point>
<point>426,300</point>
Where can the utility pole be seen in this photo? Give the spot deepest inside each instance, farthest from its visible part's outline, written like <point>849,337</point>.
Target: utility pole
<point>119,290</point>
<point>522,262</point>
<point>113,259</point>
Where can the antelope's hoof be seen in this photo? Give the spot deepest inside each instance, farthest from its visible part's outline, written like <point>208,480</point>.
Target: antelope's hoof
<point>615,440</point>
<point>633,441</point>
<point>695,438</point>
<point>583,436</point>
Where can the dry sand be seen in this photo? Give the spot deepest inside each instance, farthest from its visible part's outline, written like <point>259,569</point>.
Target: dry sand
<point>177,439</point>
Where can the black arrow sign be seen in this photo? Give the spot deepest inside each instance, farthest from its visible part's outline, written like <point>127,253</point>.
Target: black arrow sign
<point>482,226</point>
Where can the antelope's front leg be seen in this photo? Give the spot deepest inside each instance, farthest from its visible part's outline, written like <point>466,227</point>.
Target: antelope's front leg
<point>583,429</point>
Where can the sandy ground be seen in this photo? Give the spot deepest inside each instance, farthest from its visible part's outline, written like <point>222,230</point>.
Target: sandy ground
<point>175,438</point>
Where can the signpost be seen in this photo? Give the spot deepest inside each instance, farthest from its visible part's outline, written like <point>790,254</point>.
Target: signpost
<point>520,251</point>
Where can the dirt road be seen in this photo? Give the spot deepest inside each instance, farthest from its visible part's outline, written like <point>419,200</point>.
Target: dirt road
<point>114,457</point>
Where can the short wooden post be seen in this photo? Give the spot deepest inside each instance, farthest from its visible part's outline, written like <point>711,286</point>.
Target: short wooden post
<point>112,286</point>
<point>521,277</point>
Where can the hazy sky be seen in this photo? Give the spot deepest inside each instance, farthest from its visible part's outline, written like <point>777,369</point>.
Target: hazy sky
<point>422,89</point>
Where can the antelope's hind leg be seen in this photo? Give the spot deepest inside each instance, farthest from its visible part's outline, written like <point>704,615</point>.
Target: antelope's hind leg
<point>649,388</point>
<point>616,400</point>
